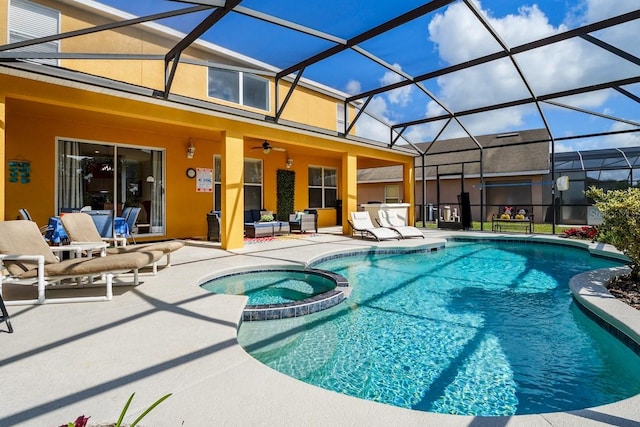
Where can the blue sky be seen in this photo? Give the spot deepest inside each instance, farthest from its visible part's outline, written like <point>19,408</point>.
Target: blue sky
<point>449,36</point>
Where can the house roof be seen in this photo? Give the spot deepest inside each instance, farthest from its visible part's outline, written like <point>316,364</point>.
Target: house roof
<point>413,75</point>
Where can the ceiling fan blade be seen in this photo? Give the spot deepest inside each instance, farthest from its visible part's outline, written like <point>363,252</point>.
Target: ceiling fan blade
<point>278,149</point>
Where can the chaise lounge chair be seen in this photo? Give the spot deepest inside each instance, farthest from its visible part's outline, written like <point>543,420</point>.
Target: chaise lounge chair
<point>361,223</point>
<point>81,229</point>
<point>391,220</point>
<point>29,260</point>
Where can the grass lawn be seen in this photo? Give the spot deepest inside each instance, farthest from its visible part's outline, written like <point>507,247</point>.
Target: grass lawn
<point>517,228</point>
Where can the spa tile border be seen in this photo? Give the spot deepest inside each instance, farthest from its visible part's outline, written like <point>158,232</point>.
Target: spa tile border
<point>617,333</point>
<point>303,307</point>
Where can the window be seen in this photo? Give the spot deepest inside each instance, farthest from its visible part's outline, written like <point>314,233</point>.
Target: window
<point>112,177</point>
<point>29,21</point>
<point>340,123</point>
<point>252,183</point>
<point>392,194</point>
<point>217,183</point>
<point>239,87</point>
<point>323,189</point>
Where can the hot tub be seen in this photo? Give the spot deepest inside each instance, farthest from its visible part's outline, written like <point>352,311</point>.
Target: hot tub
<point>282,293</point>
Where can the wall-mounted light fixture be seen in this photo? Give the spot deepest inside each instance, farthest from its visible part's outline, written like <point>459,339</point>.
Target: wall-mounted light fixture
<point>191,150</point>
<point>289,162</point>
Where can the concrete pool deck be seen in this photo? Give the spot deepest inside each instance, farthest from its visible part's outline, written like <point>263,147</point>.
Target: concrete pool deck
<point>169,336</point>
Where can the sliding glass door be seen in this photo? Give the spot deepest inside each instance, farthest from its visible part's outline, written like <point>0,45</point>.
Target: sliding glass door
<point>99,176</point>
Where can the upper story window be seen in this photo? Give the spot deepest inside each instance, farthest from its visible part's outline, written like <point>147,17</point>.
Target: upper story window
<point>341,125</point>
<point>29,21</point>
<point>239,87</point>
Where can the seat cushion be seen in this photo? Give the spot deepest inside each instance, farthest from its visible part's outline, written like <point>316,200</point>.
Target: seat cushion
<point>80,227</point>
<point>97,265</point>
<point>165,247</point>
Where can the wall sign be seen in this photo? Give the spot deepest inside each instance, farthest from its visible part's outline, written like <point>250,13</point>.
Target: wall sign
<point>20,171</point>
<point>204,180</point>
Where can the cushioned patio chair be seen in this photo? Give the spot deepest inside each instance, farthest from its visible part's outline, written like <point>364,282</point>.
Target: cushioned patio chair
<point>25,258</point>
<point>361,223</point>
<point>391,220</point>
<point>303,222</point>
<point>25,215</point>
<point>81,229</point>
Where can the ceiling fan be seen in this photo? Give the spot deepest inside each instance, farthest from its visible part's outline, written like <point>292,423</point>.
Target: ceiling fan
<point>266,148</point>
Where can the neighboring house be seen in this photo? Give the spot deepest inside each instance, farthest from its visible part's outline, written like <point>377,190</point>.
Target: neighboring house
<point>517,169</point>
<point>85,128</point>
<point>515,166</point>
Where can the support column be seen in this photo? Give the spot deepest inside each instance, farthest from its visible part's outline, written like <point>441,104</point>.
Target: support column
<point>232,193</point>
<point>3,149</point>
<point>349,184</point>
<point>408,187</point>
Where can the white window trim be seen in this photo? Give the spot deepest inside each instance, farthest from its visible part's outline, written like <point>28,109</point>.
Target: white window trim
<point>39,10</point>
<point>241,88</point>
<point>324,187</point>
<point>115,145</point>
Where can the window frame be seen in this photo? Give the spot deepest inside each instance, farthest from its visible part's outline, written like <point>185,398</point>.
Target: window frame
<point>159,225</point>
<point>241,75</point>
<point>396,198</point>
<point>22,34</point>
<point>323,186</point>
<point>217,181</point>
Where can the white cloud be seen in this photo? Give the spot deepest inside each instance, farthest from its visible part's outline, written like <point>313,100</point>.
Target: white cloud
<point>369,125</point>
<point>353,87</point>
<point>572,63</point>
<point>596,10</point>
<point>400,96</point>
<point>459,37</point>
<point>620,140</point>
<point>631,139</point>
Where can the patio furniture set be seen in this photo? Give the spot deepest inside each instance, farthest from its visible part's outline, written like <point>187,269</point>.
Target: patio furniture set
<point>261,223</point>
<point>27,259</point>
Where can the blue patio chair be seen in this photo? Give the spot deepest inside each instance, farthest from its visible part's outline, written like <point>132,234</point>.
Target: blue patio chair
<point>131,218</point>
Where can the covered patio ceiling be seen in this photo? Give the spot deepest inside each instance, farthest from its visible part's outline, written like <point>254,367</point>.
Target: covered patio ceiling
<point>418,72</point>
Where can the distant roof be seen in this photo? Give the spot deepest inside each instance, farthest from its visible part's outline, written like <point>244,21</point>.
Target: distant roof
<point>510,154</point>
<point>614,158</point>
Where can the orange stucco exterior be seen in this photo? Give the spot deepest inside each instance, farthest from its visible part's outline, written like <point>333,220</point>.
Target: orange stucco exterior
<point>36,110</point>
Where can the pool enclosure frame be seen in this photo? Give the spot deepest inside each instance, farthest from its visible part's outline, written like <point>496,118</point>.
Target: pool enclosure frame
<point>12,56</point>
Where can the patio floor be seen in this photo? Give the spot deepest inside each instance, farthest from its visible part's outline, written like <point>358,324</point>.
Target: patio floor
<point>169,336</point>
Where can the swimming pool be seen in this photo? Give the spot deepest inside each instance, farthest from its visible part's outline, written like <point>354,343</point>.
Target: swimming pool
<point>478,329</point>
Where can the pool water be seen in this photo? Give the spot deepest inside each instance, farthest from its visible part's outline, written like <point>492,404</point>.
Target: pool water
<point>271,287</point>
<point>476,329</point>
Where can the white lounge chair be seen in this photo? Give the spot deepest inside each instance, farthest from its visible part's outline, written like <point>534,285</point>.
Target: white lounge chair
<point>81,229</point>
<point>390,219</point>
<point>361,223</point>
<point>25,258</point>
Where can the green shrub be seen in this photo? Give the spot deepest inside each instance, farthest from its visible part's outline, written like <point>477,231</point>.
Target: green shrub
<point>621,221</point>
